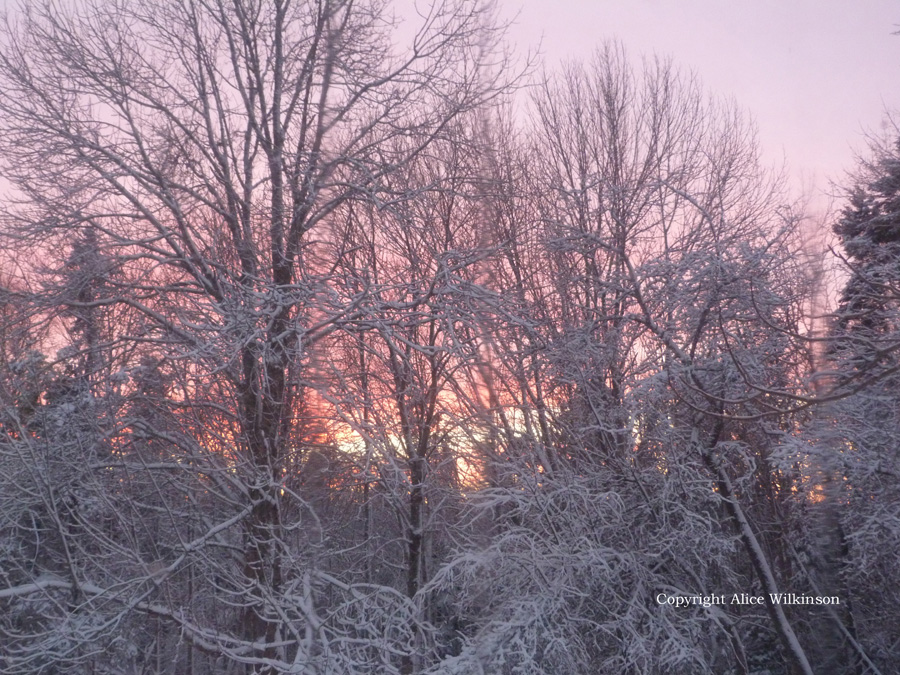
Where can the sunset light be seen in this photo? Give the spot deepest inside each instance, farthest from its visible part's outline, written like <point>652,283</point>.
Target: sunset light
<point>350,337</point>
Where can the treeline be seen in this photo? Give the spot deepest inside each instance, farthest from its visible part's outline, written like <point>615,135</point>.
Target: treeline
<point>326,355</point>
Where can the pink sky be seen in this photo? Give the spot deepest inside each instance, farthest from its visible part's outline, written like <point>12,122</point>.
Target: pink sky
<point>815,74</point>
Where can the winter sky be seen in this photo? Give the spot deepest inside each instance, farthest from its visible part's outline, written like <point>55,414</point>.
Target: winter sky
<point>815,74</point>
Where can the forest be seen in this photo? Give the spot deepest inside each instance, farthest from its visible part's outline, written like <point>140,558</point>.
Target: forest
<point>333,348</point>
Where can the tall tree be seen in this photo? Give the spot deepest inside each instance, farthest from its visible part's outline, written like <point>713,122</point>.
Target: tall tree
<point>206,144</point>
<point>642,402</point>
<point>859,464</point>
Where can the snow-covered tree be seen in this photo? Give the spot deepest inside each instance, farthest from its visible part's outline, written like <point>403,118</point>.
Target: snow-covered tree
<point>859,464</point>
<point>322,359</point>
<point>635,392</point>
<point>202,146</point>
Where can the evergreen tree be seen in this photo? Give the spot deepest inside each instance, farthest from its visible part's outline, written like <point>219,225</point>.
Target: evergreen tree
<point>869,231</point>
<point>860,465</point>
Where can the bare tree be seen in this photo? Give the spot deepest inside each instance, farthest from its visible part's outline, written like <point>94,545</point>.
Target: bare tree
<point>326,363</point>
<point>654,276</point>
<point>202,146</point>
